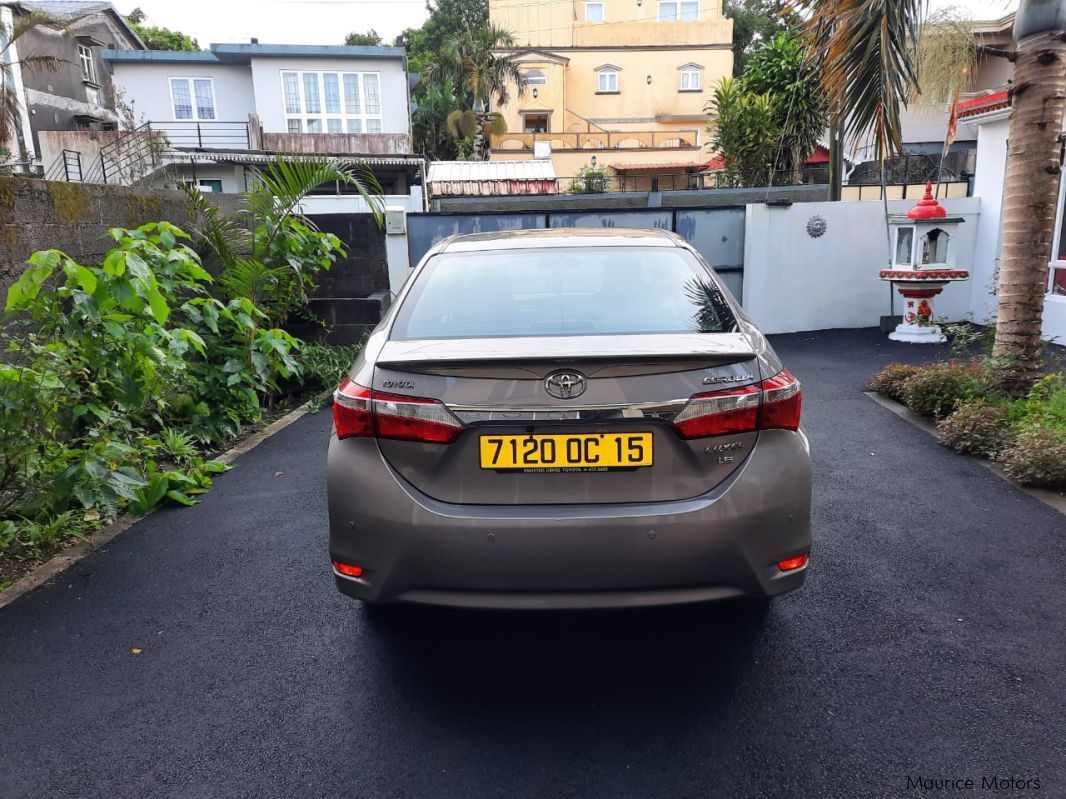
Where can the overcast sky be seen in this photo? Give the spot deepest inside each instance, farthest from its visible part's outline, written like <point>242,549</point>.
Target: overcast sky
<point>328,21</point>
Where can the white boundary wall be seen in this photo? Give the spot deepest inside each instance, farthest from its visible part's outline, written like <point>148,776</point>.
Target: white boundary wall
<point>794,282</point>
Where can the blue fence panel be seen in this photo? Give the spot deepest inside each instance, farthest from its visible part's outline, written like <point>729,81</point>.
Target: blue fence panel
<point>425,230</point>
<point>718,233</point>
<point>662,220</point>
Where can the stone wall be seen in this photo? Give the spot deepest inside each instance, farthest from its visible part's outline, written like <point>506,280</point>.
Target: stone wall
<point>73,217</point>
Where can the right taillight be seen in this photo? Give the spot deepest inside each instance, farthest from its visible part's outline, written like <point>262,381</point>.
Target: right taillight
<point>773,404</point>
<point>362,412</point>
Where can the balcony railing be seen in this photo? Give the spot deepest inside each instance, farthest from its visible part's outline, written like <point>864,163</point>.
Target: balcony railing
<point>600,140</point>
<point>205,135</point>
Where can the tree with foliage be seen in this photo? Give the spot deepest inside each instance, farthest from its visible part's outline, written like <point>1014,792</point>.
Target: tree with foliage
<point>447,19</point>
<point>435,99</point>
<point>472,67</point>
<point>783,69</point>
<point>869,51</point>
<point>369,39</point>
<point>10,102</point>
<point>159,38</point>
<point>754,22</point>
<point>746,134</point>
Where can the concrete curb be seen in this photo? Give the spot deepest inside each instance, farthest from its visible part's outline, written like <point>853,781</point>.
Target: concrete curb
<point>68,557</point>
<point>1049,498</point>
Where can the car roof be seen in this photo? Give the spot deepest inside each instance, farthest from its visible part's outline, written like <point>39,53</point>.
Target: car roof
<point>560,237</point>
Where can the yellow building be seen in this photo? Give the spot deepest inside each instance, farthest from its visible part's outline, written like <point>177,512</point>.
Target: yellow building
<point>623,82</point>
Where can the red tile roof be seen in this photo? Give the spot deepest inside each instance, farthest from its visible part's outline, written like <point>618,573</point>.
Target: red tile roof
<point>983,104</point>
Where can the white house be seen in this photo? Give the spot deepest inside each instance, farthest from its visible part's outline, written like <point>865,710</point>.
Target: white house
<point>991,116</point>
<point>225,109</point>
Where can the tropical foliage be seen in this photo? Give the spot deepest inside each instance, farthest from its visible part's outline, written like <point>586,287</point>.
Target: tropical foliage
<point>471,68</point>
<point>745,134</point>
<point>755,22</point>
<point>158,38</point>
<point>113,375</point>
<point>782,68</point>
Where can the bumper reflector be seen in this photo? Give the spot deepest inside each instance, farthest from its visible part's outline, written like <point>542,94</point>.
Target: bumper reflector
<point>791,564</point>
<point>347,569</point>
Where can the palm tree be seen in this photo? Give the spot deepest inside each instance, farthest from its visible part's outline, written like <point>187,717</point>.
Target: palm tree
<point>1031,185</point>
<point>10,102</point>
<point>869,50</point>
<point>249,248</point>
<point>475,67</point>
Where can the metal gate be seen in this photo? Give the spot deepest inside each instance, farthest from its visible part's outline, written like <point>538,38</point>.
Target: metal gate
<point>718,233</point>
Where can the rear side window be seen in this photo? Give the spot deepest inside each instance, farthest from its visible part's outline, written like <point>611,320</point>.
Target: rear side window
<point>591,291</point>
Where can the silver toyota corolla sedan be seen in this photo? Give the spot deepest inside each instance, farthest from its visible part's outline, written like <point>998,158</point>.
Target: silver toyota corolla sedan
<point>567,419</point>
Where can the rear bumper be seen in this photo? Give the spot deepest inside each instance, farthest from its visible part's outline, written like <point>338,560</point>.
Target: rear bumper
<point>725,543</point>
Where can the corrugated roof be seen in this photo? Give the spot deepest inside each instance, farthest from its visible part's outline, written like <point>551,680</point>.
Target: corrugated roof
<point>66,8</point>
<point>244,53</point>
<point>458,171</point>
<point>655,167</point>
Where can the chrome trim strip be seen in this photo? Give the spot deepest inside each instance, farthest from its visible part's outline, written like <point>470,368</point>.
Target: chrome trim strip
<point>664,411</point>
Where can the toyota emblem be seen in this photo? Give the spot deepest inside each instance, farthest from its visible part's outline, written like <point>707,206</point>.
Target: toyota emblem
<point>565,385</point>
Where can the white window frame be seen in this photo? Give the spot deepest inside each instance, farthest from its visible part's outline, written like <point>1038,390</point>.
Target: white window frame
<point>368,123</point>
<point>608,75</point>
<point>542,77</point>
<point>678,13</point>
<point>1054,262</point>
<point>88,63</point>
<point>190,79</point>
<point>603,11</point>
<point>692,73</point>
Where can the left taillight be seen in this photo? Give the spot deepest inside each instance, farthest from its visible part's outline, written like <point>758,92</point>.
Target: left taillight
<point>361,412</point>
<point>773,404</point>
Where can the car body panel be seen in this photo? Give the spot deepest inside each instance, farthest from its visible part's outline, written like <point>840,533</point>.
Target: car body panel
<point>710,519</point>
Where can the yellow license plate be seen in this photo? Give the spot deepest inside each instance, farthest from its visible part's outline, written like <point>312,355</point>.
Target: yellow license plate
<point>581,452</point>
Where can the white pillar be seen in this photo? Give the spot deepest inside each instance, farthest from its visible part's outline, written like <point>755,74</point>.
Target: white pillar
<point>396,247</point>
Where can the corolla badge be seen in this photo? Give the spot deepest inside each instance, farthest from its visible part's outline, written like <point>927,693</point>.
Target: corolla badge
<point>565,384</point>
<point>719,379</point>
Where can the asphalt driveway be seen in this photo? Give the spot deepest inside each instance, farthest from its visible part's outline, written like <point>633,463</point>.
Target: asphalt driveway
<point>928,642</point>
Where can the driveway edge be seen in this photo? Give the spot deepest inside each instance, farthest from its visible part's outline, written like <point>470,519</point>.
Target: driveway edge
<point>68,557</point>
<point>1049,498</point>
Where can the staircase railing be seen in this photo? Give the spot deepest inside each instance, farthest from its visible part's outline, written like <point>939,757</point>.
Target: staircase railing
<point>129,158</point>
<point>66,166</point>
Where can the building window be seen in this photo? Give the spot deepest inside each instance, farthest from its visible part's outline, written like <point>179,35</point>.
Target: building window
<point>88,65</point>
<point>1057,285</point>
<point>535,123</point>
<point>607,80</point>
<point>679,10</point>
<point>210,185</point>
<point>332,102</point>
<point>690,80</point>
<point>193,98</point>
<point>535,77</point>
<point>593,12</point>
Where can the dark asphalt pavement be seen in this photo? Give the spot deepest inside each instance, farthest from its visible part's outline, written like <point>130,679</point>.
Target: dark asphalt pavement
<point>928,642</point>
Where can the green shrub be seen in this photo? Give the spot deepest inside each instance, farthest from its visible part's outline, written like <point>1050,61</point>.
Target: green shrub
<point>889,381</point>
<point>1045,405</point>
<point>100,359</point>
<point>324,366</point>
<point>977,428</point>
<point>1037,457</point>
<point>938,389</point>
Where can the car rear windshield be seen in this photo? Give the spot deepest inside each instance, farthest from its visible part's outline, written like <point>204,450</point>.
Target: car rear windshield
<point>563,292</point>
